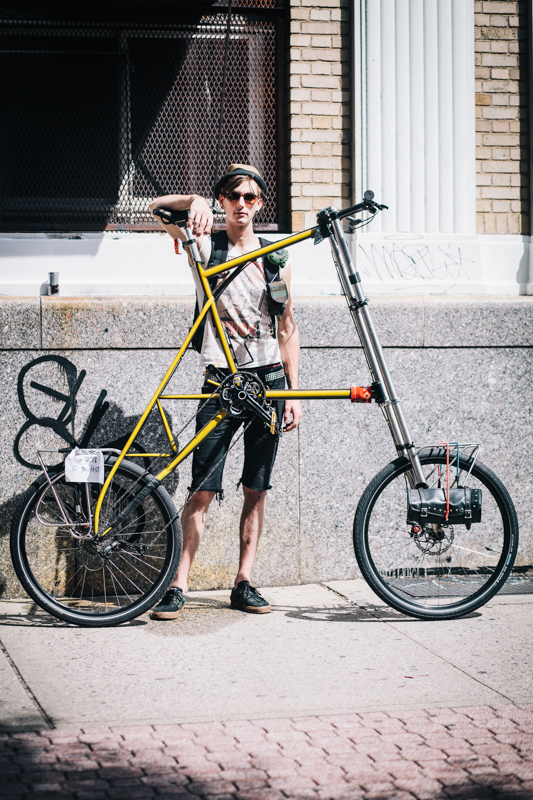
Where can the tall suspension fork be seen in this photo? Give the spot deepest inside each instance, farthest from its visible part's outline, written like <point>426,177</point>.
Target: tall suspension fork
<point>357,303</point>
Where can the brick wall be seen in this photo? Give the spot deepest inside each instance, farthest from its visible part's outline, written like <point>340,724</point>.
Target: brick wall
<point>501,111</point>
<point>319,108</point>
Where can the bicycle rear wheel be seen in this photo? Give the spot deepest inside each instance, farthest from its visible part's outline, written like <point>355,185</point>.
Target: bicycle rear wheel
<point>95,581</point>
<point>442,571</point>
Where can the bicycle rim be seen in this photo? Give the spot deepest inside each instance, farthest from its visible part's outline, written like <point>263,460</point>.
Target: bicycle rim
<point>72,578</point>
<point>435,574</point>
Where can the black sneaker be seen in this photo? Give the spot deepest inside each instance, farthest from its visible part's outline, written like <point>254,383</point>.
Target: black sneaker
<point>245,598</point>
<point>171,604</point>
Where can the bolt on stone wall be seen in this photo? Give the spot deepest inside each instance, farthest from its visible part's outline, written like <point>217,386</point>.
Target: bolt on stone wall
<point>319,108</point>
<point>501,110</point>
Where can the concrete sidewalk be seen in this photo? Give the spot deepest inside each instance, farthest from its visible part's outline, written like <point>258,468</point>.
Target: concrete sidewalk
<point>331,696</point>
<point>325,649</point>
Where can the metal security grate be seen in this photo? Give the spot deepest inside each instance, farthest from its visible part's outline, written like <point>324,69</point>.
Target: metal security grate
<point>98,118</point>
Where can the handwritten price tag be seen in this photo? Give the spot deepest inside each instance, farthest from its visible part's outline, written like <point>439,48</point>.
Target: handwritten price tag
<point>84,466</point>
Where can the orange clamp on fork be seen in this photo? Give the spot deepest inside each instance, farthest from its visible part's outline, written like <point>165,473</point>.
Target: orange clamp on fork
<point>361,394</point>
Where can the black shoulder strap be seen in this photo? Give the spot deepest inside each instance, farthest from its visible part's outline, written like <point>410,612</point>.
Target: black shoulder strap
<point>271,272</point>
<point>219,254</point>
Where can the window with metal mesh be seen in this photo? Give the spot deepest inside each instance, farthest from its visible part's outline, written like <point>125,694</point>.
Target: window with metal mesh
<point>97,118</point>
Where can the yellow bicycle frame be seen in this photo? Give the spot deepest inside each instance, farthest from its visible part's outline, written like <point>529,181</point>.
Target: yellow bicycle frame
<point>209,306</point>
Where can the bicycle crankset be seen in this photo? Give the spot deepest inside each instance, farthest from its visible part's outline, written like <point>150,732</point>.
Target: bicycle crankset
<point>242,394</point>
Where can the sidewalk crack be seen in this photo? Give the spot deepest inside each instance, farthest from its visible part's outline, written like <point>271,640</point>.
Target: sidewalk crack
<point>26,688</point>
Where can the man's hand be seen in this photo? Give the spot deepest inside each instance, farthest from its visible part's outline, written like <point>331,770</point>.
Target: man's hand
<point>292,415</point>
<point>200,217</point>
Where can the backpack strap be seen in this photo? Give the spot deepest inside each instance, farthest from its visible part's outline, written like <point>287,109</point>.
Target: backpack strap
<point>219,254</point>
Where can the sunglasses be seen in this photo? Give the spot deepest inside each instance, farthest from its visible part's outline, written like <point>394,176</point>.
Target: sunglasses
<point>249,197</point>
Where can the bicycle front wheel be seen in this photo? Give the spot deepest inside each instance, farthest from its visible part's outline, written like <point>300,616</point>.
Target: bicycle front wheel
<point>87,580</point>
<point>438,571</point>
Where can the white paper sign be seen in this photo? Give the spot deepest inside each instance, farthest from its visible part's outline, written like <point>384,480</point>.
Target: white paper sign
<point>84,466</point>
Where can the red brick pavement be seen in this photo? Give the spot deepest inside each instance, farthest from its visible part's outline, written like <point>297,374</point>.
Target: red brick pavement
<point>479,752</point>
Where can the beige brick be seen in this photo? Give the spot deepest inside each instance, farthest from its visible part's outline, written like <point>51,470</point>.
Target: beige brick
<point>500,46</point>
<point>483,205</point>
<point>321,28</point>
<point>500,179</point>
<point>323,202</point>
<point>514,22</point>
<point>295,2</point>
<point>514,74</point>
<point>299,149</point>
<point>323,42</point>
<point>500,86</point>
<point>321,14</point>
<point>321,163</point>
<point>322,82</point>
<point>515,153</point>
<point>295,27</point>
<point>320,96</point>
<point>501,223</point>
<point>298,40</point>
<point>498,33</point>
<point>515,126</point>
<point>483,99</point>
<point>322,68</point>
<point>296,190</point>
<point>500,112</point>
<point>481,46</point>
<point>490,223</point>
<point>295,81</point>
<point>494,7</point>
<point>499,21</point>
<point>320,54</point>
<point>322,3</point>
<point>322,149</point>
<point>299,13</point>
<point>302,204</point>
<point>501,206</point>
<point>295,162</point>
<point>500,192</point>
<point>321,123</point>
<point>483,73</point>
<point>483,152</point>
<point>297,220</point>
<point>501,126</point>
<point>295,54</point>
<point>499,74</point>
<point>332,110</point>
<point>322,176</point>
<point>499,166</point>
<point>514,222</point>
<point>300,176</point>
<point>516,180</point>
<point>483,126</point>
<point>484,180</point>
<point>514,100</point>
<point>303,95</point>
<point>500,154</point>
<point>295,109</point>
<point>500,99</point>
<point>516,206</point>
<point>299,68</point>
<point>499,60</point>
<point>310,190</point>
<point>481,19</point>
<point>336,15</point>
<point>320,136</point>
<point>337,69</point>
<point>501,139</point>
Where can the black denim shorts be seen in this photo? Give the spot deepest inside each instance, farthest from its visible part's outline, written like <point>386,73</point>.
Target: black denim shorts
<point>260,446</point>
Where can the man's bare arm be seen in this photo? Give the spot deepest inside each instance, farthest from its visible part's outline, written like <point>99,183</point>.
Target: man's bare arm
<point>200,218</point>
<point>289,345</point>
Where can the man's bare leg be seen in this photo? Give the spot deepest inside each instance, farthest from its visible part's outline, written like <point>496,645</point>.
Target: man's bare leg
<point>193,526</point>
<point>251,525</point>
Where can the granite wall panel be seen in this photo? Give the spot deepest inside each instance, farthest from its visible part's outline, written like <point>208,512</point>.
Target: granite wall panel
<point>480,392</point>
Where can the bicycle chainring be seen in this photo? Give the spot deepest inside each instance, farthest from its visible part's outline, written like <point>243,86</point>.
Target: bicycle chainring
<point>237,388</point>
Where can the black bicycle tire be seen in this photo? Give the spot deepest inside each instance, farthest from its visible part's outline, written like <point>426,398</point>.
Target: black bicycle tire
<point>460,608</point>
<point>77,617</point>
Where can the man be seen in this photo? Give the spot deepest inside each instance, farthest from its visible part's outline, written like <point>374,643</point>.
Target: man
<point>258,347</point>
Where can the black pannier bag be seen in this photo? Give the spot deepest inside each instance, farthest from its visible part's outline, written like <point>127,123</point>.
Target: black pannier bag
<point>429,505</point>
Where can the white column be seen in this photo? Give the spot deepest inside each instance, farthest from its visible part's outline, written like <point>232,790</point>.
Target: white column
<point>415,110</point>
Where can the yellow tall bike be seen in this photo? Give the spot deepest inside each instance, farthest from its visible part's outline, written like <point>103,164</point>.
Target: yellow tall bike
<point>435,531</point>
